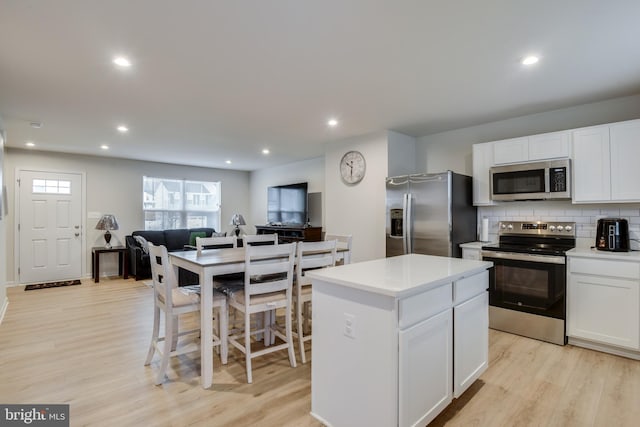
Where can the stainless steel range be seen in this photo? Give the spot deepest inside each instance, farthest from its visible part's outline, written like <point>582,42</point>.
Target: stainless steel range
<point>527,286</point>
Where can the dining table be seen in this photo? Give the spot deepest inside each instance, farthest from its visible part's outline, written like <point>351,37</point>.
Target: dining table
<point>207,264</point>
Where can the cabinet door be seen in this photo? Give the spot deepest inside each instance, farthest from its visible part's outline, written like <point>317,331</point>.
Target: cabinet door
<point>604,309</point>
<point>551,145</point>
<point>591,169</point>
<point>511,150</point>
<point>470,341</point>
<point>425,369</point>
<point>625,157</point>
<point>482,161</point>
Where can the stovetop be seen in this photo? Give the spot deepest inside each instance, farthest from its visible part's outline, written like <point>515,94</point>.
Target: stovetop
<point>534,237</point>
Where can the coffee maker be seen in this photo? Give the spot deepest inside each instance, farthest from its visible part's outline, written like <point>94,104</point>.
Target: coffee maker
<point>612,234</point>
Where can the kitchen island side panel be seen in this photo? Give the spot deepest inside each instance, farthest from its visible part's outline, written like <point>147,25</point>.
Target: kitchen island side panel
<point>355,378</point>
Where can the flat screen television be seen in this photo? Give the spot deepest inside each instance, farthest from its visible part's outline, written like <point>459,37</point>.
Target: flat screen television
<point>287,204</point>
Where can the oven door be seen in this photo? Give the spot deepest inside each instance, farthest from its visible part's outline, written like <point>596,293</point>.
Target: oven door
<point>525,282</point>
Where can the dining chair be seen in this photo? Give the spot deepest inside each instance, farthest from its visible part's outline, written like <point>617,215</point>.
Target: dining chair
<point>260,239</point>
<point>267,287</point>
<point>310,256</point>
<point>173,301</point>
<point>216,243</point>
<point>344,239</point>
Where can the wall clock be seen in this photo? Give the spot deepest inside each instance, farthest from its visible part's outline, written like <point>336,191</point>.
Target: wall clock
<point>352,167</point>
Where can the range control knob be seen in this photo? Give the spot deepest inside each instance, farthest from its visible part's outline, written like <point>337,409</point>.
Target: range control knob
<point>560,228</point>
<point>503,226</point>
<point>510,226</point>
<point>568,228</point>
<point>552,228</point>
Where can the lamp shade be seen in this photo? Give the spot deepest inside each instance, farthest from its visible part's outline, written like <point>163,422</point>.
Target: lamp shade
<point>107,222</point>
<point>237,219</point>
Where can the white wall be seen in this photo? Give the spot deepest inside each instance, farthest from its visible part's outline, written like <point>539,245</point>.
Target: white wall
<point>310,171</point>
<point>3,234</point>
<point>359,209</point>
<point>115,186</point>
<point>452,149</point>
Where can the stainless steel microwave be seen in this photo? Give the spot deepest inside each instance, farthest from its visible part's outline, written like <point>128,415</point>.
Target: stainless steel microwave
<point>532,181</point>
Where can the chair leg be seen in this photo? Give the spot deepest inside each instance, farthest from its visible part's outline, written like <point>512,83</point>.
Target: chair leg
<point>168,345</point>
<point>266,323</point>
<point>224,333</point>
<point>174,337</point>
<point>247,345</point>
<point>300,331</point>
<point>154,335</point>
<point>289,334</point>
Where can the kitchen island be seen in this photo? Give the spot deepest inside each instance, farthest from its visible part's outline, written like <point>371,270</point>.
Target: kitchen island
<point>396,339</point>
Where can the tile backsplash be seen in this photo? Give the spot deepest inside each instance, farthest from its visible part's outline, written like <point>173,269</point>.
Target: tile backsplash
<point>585,217</point>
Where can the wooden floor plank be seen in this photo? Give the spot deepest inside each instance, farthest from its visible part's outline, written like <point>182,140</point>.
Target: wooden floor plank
<point>85,345</point>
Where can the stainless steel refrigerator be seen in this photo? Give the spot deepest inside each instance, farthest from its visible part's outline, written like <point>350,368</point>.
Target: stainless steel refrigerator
<point>430,214</point>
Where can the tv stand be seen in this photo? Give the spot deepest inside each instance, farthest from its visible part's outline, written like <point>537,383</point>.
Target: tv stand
<point>292,233</point>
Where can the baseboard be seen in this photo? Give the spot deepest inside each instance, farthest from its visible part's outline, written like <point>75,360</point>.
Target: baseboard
<point>4,309</point>
<point>605,348</point>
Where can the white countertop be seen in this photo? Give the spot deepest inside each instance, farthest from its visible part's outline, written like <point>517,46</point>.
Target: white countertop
<point>588,252</point>
<point>400,276</point>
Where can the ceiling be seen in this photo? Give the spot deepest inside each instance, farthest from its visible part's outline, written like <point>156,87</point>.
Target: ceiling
<point>221,80</point>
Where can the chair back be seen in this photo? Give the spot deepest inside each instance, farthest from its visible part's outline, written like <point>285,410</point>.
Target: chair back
<point>260,239</point>
<point>269,269</point>
<point>314,255</point>
<point>164,279</point>
<point>216,243</point>
<point>344,239</point>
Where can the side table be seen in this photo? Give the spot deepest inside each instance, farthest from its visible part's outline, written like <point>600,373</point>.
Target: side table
<point>123,261</point>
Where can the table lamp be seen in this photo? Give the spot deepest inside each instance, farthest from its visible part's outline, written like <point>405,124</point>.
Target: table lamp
<point>237,220</point>
<point>107,222</point>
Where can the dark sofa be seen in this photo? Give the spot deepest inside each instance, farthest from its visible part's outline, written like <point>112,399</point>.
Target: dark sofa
<point>174,240</point>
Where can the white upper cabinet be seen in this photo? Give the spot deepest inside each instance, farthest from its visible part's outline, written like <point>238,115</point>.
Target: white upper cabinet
<point>551,145</point>
<point>511,150</point>
<point>625,158</point>
<point>605,163</point>
<point>591,169</point>
<point>482,161</point>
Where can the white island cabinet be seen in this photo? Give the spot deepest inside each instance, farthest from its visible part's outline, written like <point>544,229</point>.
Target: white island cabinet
<point>396,339</point>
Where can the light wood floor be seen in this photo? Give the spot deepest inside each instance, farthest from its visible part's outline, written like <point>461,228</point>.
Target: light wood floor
<point>85,345</point>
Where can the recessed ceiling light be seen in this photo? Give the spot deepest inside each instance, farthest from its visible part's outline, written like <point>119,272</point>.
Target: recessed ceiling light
<point>30,144</point>
<point>104,146</point>
<point>36,125</point>
<point>332,122</point>
<point>265,151</point>
<point>530,60</point>
<point>121,61</point>
<point>228,162</point>
<point>123,129</point>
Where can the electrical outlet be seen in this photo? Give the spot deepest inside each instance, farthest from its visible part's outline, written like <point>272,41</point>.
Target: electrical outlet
<point>350,325</point>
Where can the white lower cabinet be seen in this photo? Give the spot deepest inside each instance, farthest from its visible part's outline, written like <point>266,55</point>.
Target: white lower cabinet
<point>471,341</point>
<point>425,369</point>
<point>604,302</point>
<point>382,360</point>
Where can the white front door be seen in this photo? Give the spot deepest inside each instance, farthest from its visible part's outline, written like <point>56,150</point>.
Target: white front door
<point>49,226</point>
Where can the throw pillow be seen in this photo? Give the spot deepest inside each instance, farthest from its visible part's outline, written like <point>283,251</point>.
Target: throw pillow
<point>194,234</point>
<point>223,234</point>
<point>143,243</point>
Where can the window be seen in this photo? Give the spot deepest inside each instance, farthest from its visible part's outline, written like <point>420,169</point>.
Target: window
<point>51,186</point>
<point>174,203</point>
